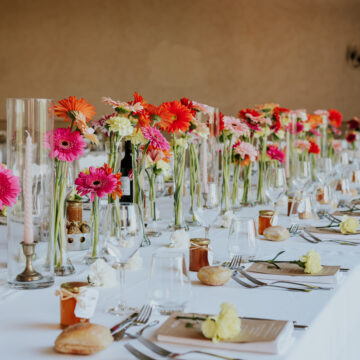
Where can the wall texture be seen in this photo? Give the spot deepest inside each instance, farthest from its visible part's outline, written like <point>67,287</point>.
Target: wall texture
<point>228,53</point>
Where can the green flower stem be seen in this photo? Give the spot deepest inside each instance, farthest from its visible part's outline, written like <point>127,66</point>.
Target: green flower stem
<point>235,182</point>
<point>179,171</point>
<point>113,156</point>
<point>59,211</point>
<point>247,184</point>
<point>260,197</point>
<point>152,179</point>
<point>226,174</point>
<point>194,179</point>
<point>95,217</point>
<point>274,262</point>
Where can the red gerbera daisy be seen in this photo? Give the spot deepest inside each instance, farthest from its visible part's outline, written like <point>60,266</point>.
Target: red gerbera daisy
<point>66,107</point>
<point>314,148</point>
<point>335,117</point>
<point>180,118</point>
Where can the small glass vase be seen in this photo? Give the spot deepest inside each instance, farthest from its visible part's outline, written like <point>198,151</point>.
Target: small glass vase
<point>179,177</point>
<point>152,228</point>
<point>138,158</point>
<point>30,261</point>
<point>260,195</point>
<point>235,188</point>
<point>95,251</point>
<point>195,185</point>
<point>226,168</point>
<point>246,200</point>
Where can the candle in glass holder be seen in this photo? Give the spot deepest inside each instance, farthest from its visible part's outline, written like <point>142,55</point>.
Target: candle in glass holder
<point>27,193</point>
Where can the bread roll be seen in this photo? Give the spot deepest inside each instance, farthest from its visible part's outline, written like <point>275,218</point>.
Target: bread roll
<point>83,339</point>
<point>214,275</point>
<point>276,233</point>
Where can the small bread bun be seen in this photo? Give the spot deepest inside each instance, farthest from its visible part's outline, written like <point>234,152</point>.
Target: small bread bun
<point>214,275</point>
<point>276,233</point>
<point>83,339</point>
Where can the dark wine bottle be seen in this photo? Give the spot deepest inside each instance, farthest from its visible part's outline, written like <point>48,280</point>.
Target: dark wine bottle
<point>126,177</point>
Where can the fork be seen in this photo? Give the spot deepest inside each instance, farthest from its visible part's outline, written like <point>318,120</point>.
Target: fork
<point>142,318</point>
<point>316,240</point>
<point>293,230</point>
<point>140,332</point>
<point>173,355</point>
<point>235,265</point>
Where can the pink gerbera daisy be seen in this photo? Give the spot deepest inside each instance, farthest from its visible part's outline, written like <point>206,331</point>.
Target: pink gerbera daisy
<point>236,126</point>
<point>67,146</point>
<point>157,140</point>
<point>302,145</point>
<point>245,149</point>
<point>275,153</point>
<point>9,187</point>
<point>97,182</point>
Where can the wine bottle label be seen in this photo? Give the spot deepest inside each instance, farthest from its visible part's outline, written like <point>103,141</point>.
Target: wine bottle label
<point>125,182</point>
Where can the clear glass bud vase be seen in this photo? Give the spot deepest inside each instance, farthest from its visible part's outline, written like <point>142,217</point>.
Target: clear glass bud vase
<point>30,240</point>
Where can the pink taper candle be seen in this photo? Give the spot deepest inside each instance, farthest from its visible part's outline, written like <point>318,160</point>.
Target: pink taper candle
<point>27,193</point>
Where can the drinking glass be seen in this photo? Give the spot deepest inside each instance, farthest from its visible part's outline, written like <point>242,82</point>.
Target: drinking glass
<point>207,209</point>
<point>323,199</point>
<point>242,238</point>
<point>302,174</point>
<point>275,183</point>
<point>324,170</point>
<point>170,284</point>
<point>124,234</point>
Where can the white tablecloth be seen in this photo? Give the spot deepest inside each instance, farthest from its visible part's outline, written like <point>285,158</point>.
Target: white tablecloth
<point>30,319</point>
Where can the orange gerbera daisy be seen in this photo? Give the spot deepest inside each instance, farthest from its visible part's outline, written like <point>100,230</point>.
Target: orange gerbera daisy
<point>66,107</point>
<point>314,120</point>
<point>179,119</point>
<point>118,191</point>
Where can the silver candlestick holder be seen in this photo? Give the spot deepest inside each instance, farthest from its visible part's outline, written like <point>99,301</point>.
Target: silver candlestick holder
<point>29,274</point>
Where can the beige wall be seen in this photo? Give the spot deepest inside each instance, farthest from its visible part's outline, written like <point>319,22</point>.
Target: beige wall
<point>228,53</point>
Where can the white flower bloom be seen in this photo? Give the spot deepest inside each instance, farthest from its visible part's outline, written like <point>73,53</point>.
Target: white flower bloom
<point>137,138</point>
<point>227,218</point>
<point>102,274</point>
<point>180,239</point>
<point>120,125</point>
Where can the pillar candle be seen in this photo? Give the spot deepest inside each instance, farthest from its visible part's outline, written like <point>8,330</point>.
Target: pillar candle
<point>27,193</point>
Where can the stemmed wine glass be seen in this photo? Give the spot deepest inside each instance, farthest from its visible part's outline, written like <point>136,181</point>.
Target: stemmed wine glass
<point>302,174</point>
<point>208,208</point>
<point>275,180</point>
<point>124,234</point>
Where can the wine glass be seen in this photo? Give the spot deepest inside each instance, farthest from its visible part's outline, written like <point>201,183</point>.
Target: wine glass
<point>124,234</point>
<point>207,207</point>
<point>242,238</point>
<point>324,170</point>
<point>275,180</point>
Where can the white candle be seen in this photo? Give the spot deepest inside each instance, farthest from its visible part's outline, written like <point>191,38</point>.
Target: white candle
<point>27,193</point>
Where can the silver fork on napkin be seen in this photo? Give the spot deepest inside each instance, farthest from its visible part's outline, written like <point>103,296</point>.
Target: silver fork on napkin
<point>173,355</point>
<point>142,318</point>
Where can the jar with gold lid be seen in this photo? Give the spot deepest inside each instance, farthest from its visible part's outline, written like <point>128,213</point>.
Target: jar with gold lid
<point>68,300</point>
<point>265,220</point>
<point>199,249</point>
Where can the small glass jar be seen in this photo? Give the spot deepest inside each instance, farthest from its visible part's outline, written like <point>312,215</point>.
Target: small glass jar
<point>199,249</point>
<point>68,303</point>
<point>265,220</point>
<point>74,210</point>
<point>292,205</point>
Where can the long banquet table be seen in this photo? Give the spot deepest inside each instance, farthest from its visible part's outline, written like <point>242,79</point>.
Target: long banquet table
<point>30,319</point>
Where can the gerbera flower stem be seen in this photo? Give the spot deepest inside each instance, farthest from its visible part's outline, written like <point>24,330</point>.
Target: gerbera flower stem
<point>226,174</point>
<point>95,217</point>
<point>260,190</point>
<point>247,184</point>
<point>235,182</point>
<point>194,178</point>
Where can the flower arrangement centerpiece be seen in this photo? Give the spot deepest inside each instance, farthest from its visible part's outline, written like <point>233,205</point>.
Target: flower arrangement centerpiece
<point>177,120</point>
<point>97,182</point>
<point>353,126</point>
<point>135,116</point>
<point>198,134</point>
<point>232,129</point>
<point>157,162</point>
<point>66,145</point>
<point>335,121</point>
<point>259,124</point>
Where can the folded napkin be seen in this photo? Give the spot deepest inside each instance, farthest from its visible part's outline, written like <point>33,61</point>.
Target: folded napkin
<point>293,272</point>
<point>259,336</point>
<point>332,233</point>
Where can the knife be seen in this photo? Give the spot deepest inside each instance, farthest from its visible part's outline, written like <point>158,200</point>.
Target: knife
<point>124,322</point>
